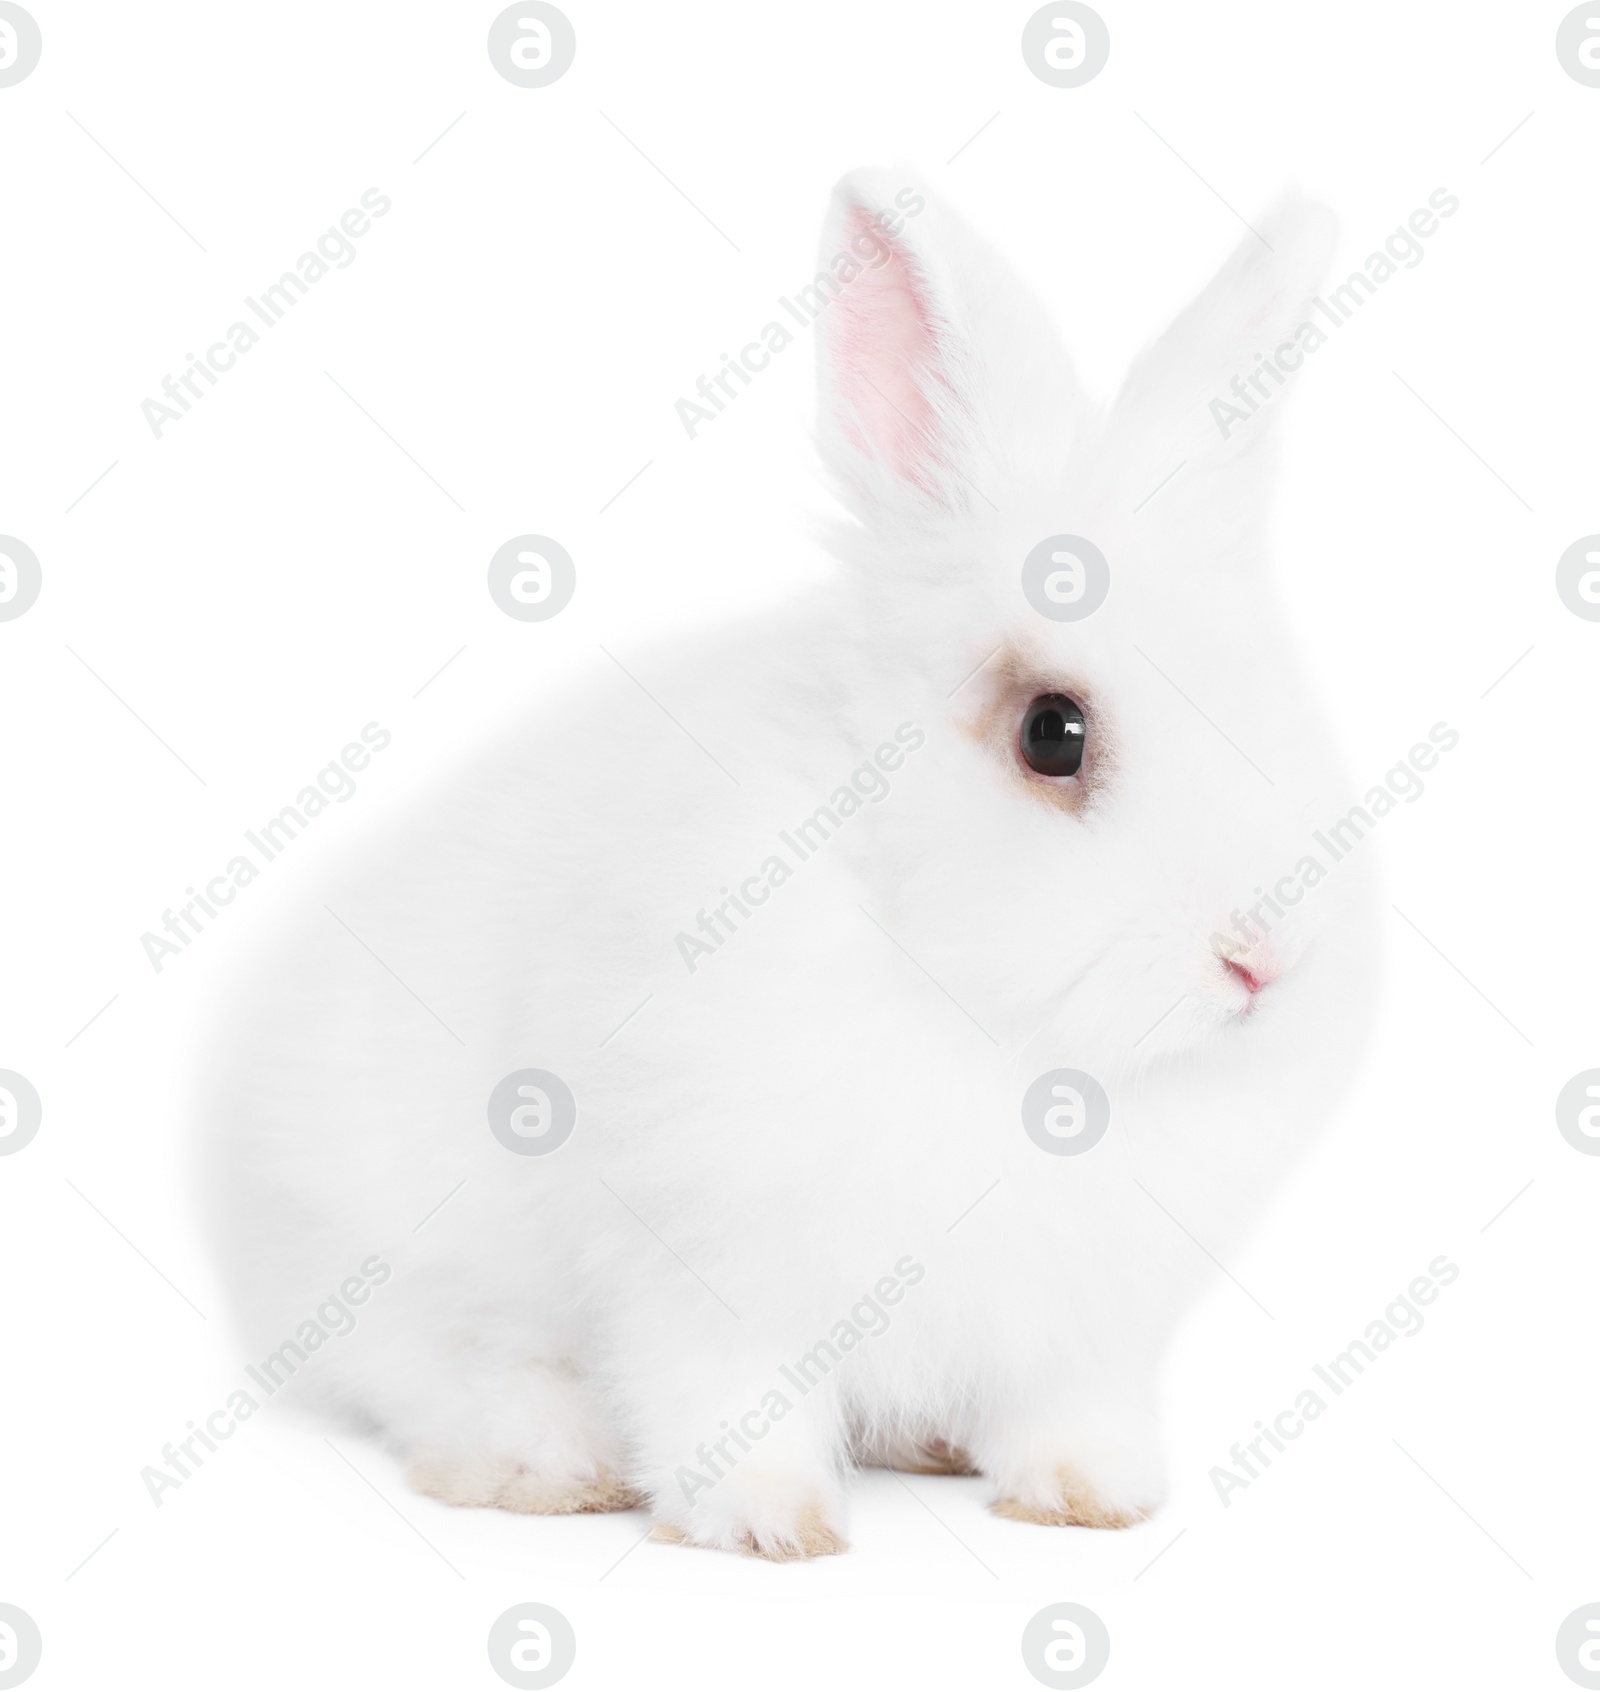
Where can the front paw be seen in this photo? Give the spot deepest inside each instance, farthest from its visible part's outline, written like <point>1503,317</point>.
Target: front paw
<point>783,1515</point>
<point>1081,1486</point>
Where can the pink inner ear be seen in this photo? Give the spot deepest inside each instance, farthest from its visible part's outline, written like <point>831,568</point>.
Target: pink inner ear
<point>885,353</point>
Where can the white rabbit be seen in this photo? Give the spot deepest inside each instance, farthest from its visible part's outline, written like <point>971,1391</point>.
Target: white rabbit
<point>799,1222</point>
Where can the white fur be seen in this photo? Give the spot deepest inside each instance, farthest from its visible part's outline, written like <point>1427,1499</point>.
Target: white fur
<point>774,1131</point>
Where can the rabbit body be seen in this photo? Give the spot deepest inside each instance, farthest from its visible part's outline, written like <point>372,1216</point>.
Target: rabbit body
<point>799,1221</point>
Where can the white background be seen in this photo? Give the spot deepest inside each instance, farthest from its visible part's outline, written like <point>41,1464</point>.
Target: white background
<point>275,572</point>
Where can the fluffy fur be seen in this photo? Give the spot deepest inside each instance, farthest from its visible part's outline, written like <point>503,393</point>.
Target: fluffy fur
<point>831,1091</point>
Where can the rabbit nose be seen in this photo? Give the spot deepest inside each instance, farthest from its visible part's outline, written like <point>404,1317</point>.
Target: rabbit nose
<point>1253,968</point>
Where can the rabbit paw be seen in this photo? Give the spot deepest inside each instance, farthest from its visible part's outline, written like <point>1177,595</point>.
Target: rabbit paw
<point>1095,1487</point>
<point>918,1457</point>
<point>504,1483</point>
<point>779,1515</point>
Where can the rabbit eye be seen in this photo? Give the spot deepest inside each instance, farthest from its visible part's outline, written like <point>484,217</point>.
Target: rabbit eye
<point>1053,735</point>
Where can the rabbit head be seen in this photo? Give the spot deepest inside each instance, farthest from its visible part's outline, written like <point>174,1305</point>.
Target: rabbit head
<point>1112,896</point>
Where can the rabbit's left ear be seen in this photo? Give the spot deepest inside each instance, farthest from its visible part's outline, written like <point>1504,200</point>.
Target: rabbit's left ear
<point>929,349</point>
<point>1206,396</point>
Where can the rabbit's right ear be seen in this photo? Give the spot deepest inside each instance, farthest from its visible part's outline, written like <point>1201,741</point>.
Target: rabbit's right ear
<point>934,362</point>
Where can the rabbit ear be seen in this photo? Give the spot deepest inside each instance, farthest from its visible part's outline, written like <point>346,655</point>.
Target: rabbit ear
<point>920,349</point>
<point>1209,392</point>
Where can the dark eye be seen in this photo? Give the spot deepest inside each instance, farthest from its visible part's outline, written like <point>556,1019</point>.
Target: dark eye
<point>1053,733</point>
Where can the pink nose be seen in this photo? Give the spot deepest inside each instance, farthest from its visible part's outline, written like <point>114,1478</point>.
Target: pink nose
<point>1253,969</point>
